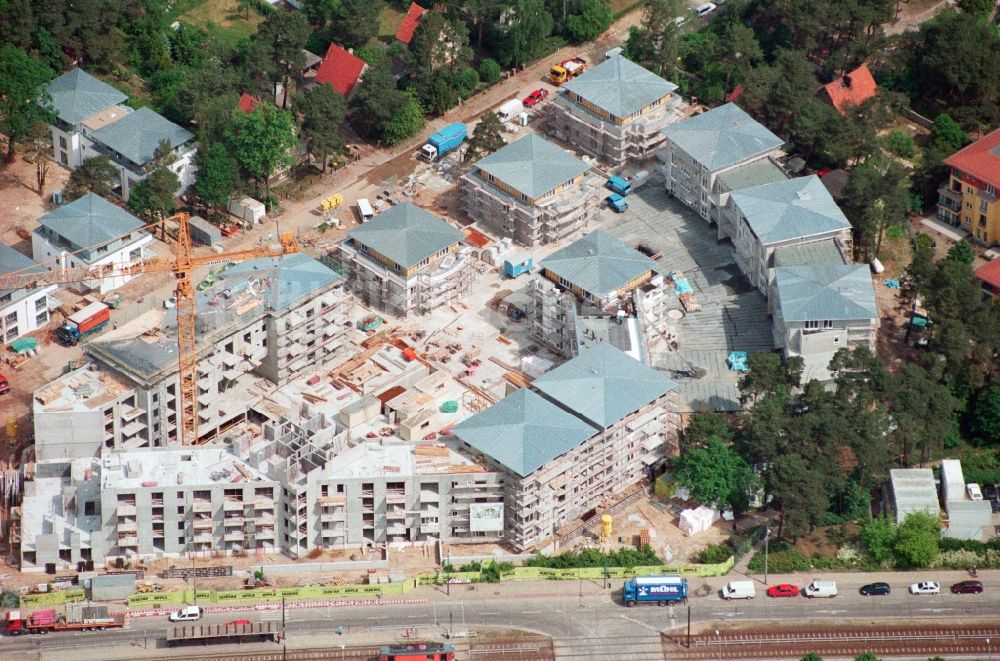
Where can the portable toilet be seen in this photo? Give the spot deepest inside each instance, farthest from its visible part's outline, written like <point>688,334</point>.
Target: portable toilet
<point>517,265</point>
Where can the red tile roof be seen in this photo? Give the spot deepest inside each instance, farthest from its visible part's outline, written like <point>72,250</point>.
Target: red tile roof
<point>247,103</point>
<point>981,159</point>
<point>735,94</point>
<point>410,23</point>
<point>340,69</point>
<point>990,274</point>
<point>853,89</point>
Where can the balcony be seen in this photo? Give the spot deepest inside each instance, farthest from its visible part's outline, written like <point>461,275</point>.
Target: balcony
<point>203,524</point>
<point>396,513</point>
<point>337,531</point>
<point>232,505</point>
<point>127,526</point>
<point>203,538</point>
<point>334,515</point>
<point>263,503</point>
<point>233,521</point>
<point>201,506</point>
<point>431,528</point>
<point>233,536</point>
<point>949,199</point>
<point>395,497</point>
<point>129,540</point>
<point>126,509</point>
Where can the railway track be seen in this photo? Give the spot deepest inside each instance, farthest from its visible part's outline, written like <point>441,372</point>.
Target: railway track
<point>834,642</point>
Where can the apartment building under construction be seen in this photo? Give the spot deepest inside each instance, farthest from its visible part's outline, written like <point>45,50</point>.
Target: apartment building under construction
<point>406,261</point>
<point>531,191</point>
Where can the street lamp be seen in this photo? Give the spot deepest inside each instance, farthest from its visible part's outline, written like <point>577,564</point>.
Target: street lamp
<point>989,650</point>
<point>767,536</point>
<point>718,649</point>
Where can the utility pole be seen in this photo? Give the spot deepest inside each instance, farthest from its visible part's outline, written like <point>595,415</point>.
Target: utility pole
<point>447,575</point>
<point>284,643</point>
<point>767,536</point>
<point>194,579</point>
<point>689,627</point>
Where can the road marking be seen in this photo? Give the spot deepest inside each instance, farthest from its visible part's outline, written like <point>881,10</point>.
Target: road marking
<point>640,623</point>
<point>727,614</point>
<point>484,613</point>
<point>832,612</point>
<point>936,610</point>
<point>531,612</point>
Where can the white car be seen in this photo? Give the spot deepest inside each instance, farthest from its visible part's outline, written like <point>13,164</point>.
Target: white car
<point>187,614</point>
<point>926,587</point>
<point>705,9</point>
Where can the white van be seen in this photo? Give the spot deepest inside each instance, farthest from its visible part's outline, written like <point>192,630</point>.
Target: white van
<point>187,614</point>
<point>705,9</point>
<point>509,110</point>
<point>739,590</point>
<point>820,588</point>
<point>975,493</point>
<point>365,209</point>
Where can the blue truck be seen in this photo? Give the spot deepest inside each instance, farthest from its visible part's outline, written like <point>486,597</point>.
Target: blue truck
<point>617,202</point>
<point>659,590</point>
<point>446,140</point>
<point>619,185</point>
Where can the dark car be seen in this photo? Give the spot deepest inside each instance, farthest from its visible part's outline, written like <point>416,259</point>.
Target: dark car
<point>875,589</point>
<point>995,505</point>
<point>990,491</point>
<point>967,587</point>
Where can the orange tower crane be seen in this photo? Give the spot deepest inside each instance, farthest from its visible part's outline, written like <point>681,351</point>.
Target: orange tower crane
<point>181,264</point>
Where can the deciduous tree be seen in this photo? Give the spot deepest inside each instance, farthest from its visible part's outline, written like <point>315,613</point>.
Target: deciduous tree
<point>282,36</point>
<point>878,536</point>
<point>917,540</point>
<point>522,31</point>
<point>23,104</point>
<point>216,175</point>
<point>487,137</point>
<point>715,475</point>
<point>96,175</point>
<point>261,142</point>
<point>154,195</point>
<point>589,20</point>
<point>323,111</point>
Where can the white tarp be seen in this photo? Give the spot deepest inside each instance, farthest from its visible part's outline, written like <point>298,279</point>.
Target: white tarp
<point>535,366</point>
<point>697,520</point>
<point>486,517</point>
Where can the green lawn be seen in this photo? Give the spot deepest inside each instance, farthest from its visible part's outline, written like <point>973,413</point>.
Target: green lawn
<point>388,21</point>
<point>220,18</point>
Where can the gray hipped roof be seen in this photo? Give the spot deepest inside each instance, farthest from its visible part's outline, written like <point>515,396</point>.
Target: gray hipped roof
<point>290,278</point>
<point>12,261</point>
<point>836,293</point>
<point>89,221</point>
<point>722,137</point>
<point>532,166</point>
<point>790,210</point>
<point>524,431</point>
<point>598,263</point>
<point>406,234</point>
<point>619,87</point>
<point>76,95</point>
<point>603,385</point>
<point>137,135</point>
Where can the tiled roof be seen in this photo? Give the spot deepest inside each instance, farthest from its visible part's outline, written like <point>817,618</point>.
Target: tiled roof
<point>12,261</point>
<point>406,234</point>
<point>990,273</point>
<point>722,137</point>
<point>340,69</point>
<point>524,431</point>
<point>410,23</point>
<point>247,103</point>
<point>137,135</point>
<point>619,86</point>
<point>603,385</point>
<point>815,293</point>
<point>90,221</point>
<point>532,166</point>
<point>789,210</point>
<point>76,95</point>
<point>981,159</point>
<point>851,90</point>
<point>598,263</point>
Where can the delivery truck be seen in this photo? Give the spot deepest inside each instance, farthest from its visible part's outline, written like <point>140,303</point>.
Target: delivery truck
<point>77,618</point>
<point>510,109</point>
<point>661,590</point>
<point>567,70</point>
<point>619,185</point>
<point>446,140</point>
<point>91,319</point>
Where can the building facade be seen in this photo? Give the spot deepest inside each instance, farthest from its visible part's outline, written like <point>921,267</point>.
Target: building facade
<point>969,198</point>
<point>22,311</point>
<point>700,149</point>
<point>407,261</point>
<point>818,310</point>
<point>583,433</point>
<point>91,233</point>
<point>615,111</point>
<point>530,191</point>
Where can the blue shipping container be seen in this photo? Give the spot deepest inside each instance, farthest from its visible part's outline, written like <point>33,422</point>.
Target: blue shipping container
<point>515,266</point>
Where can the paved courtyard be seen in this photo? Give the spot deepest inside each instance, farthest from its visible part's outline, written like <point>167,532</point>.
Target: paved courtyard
<point>733,315</point>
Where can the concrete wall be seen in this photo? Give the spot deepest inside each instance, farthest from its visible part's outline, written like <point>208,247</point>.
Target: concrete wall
<point>68,435</point>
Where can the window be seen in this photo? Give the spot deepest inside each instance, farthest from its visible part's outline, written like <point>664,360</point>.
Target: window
<point>42,318</point>
<point>135,253</point>
<point>827,324</point>
<point>41,303</point>
<point>982,220</point>
<point>62,142</point>
<point>812,324</point>
<point>10,319</point>
<point>90,508</point>
<point>983,206</point>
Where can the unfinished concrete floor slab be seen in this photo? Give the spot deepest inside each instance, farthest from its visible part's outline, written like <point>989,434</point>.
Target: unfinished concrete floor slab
<point>733,316</point>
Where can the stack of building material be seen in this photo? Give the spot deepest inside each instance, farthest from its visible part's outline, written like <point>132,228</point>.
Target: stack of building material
<point>700,519</point>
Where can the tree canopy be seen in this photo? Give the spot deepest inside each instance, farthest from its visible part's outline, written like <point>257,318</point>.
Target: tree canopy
<point>23,104</point>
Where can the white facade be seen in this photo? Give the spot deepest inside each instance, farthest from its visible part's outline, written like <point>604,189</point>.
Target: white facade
<point>22,314</point>
<point>130,174</point>
<point>46,247</point>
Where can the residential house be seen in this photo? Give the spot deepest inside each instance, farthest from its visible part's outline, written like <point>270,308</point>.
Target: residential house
<point>989,275</point>
<point>818,310</point>
<point>582,434</point>
<point>852,89</point>
<point>407,261</point>
<point>409,23</point>
<point>93,233</point>
<point>615,111</point>
<point>784,213</point>
<point>700,149</point>
<point>91,120</point>
<point>341,69</point>
<point>969,198</point>
<point>531,191</point>
<point>583,284</point>
<point>22,311</point>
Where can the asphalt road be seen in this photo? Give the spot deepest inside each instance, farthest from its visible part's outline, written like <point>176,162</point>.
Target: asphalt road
<point>587,626</point>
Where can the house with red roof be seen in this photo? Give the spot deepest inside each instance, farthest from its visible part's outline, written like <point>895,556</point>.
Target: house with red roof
<point>853,89</point>
<point>341,69</point>
<point>969,198</point>
<point>410,23</point>
<point>989,275</point>
<point>247,103</point>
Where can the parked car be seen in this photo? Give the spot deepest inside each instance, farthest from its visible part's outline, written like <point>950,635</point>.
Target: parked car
<point>995,504</point>
<point>535,97</point>
<point>926,587</point>
<point>783,590</point>
<point>990,491</point>
<point>4,385</point>
<point>705,9</point>
<point>238,623</point>
<point>187,614</point>
<point>967,587</point>
<point>875,589</point>
<point>974,492</point>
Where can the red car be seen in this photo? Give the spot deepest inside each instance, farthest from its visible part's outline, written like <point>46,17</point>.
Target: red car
<point>783,590</point>
<point>535,97</point>
<point>237,623</point>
